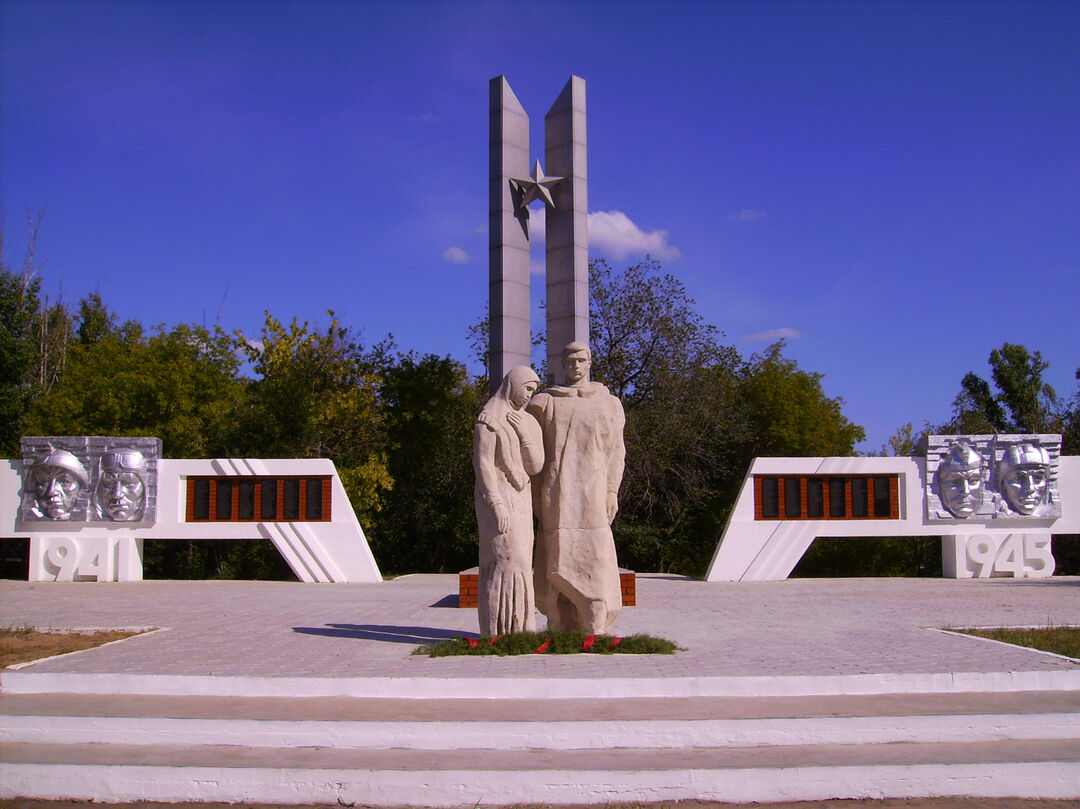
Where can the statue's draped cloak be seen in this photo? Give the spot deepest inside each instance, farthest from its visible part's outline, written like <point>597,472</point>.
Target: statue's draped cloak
<point>584,457</point>
<point>503,466</point>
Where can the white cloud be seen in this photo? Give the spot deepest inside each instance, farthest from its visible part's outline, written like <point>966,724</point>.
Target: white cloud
<point>610,232</point>
<point>771,336</point>
<point>613,232</point>
<point>455,255</point>
<point>747,215</point>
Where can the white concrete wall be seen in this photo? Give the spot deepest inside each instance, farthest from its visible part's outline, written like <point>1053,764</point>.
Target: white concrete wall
<point>332,551</point>
<point>765,550</point>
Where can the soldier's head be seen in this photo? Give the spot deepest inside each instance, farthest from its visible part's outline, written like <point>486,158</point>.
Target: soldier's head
<point>576,362</point>
<point>121,489</point>
<point>960,480</point>
<point>57,480</point>
<point>1023,475</point>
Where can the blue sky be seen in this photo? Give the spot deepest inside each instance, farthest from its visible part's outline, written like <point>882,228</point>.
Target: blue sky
<point>893,185</point>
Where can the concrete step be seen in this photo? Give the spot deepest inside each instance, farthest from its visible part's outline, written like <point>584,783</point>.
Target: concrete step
<point>538,724</point>
<point>431,709</point>
<point>385,777</point>
<point>457,752</point>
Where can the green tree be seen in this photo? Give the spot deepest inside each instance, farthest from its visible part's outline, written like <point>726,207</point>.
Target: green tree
<point>1070,439</point>
<point>644,331</point>
<point>95,320</point>
<point>429,522</point>
<point>683,469</point>
<point>180,385</point>
<point>315,395</point>
<point>788,413</point>
<point>18,311</point>
<point>1023,403</point>
<point>903,443</point>
<point>33,338</point>
<point>976,411</point>
<point>1032,403</point>
<point>678,386</point>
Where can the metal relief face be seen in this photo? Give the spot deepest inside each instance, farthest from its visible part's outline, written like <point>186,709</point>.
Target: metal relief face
<point>121,488</point>
<point>1024,476</point>
<point>992,477</point>
<point>89,479</point>
<point>960,479</point>
<point>56,482</point>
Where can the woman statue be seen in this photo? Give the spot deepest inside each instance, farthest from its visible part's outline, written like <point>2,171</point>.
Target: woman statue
<point>507,449</point>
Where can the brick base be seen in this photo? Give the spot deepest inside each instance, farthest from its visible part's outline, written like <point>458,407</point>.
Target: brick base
<point>469,581</point>
<point>628,584</point>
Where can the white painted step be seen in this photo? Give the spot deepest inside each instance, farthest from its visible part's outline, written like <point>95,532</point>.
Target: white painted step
<point>537,724</point>
<point>520,735</point>
<point>126,773</point>
<point>455,752</point>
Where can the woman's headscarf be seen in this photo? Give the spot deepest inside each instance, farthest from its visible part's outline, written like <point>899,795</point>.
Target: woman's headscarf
<point>493,416</point>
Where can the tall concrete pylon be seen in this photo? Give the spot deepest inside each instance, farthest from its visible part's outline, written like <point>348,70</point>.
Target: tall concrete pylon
<point>508,235</point>
<point>567,227</point>
<point>564,190</point>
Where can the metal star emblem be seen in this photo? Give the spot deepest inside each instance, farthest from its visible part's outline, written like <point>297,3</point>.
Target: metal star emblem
<point>538,187</point>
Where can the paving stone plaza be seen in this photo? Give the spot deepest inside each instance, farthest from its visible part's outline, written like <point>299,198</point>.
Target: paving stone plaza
<point>291,693</point>
<point>794,628</point>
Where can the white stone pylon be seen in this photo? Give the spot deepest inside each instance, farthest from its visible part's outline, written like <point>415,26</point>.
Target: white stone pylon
<point>565,182</point>
<point>509,343</point>
<point>567,227</point>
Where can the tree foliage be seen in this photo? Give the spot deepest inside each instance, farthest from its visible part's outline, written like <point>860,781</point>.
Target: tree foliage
<point>315,394</point>
<point>788,411</point>
<point>33,336</point>
<point>696,414</point>
<point>644,331</point>
<point>1022,403</point>
<point>429,521</point>
<point>180,385</point>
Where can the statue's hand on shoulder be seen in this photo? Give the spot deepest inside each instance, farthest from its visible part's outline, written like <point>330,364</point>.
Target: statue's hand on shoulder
<point>517,420</point>
<point>528,431</point>
<point>525,425</point>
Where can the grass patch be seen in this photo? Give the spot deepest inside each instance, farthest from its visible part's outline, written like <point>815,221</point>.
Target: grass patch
<point>1062,640</point>
<point>22,644</point>
<point>524,643</point>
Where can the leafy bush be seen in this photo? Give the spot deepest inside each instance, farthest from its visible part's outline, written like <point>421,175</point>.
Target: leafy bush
<point>523,643</point>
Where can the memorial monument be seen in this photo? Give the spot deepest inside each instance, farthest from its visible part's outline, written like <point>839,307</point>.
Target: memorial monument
<point>577,575</point>
<point>507,450</point>
<point>87,504</point>
<point>577,473</point>
<point>995,501</point>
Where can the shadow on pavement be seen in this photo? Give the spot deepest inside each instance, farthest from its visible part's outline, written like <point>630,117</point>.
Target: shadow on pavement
<point>392,634</point>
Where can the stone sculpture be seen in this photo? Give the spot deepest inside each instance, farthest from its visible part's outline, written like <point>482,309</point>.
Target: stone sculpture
<point>1023,475</point>
<point>960,477</point>
<point>576,573</point>
<point>56,482</point>
<point>508,449</point>
<point>121,488</point>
